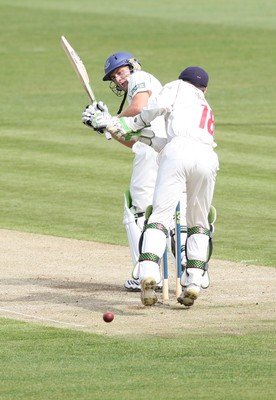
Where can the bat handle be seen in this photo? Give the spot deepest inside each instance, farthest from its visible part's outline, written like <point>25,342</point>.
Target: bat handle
<point>107,135</point>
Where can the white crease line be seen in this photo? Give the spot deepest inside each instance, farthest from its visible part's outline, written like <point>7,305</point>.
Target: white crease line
<point>41,318</point>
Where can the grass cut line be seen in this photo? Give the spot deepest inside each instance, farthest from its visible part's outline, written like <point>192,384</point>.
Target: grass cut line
<point>41,318</point>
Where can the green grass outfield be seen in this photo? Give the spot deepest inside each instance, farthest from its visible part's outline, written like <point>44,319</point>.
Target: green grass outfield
<point>61,364</point>
<point>61,179</point>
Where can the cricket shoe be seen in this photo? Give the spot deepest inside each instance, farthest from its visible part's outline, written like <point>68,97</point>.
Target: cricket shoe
<point>133,285</point>
<point>159,286</point>
<point>189,295</point>
<point>148,295</point>
<point>192,280</point>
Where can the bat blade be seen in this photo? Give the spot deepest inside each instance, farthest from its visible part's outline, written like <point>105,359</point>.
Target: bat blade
<point>80,70</point>
<point>78,66</point>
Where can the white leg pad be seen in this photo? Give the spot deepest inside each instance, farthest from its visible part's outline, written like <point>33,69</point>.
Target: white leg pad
<point>133,231</point>
<point>135,272</point>
<point>149,269</point>
<point>195,276</point>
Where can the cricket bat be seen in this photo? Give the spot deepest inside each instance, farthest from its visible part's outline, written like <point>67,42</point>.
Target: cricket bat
<point>81,72</point>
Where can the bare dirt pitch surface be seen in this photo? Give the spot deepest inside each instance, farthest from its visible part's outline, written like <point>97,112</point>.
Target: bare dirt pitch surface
<point>70,284</point>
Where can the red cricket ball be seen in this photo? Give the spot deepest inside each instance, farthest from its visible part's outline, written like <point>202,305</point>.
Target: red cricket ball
<point>108,316</point>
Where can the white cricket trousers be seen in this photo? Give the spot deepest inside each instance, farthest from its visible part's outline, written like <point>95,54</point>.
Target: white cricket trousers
<point>183,163</point>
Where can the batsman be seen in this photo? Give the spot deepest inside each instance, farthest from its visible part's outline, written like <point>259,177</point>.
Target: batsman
<point>126,79</point>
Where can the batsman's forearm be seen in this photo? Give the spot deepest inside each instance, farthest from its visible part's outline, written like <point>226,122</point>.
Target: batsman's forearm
<point>128,143</point>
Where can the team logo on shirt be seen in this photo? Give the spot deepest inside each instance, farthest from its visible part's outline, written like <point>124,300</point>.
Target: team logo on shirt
<point>139,86</point>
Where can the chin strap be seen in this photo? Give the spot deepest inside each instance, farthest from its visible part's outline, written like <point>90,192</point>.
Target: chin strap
<point>122,103</point>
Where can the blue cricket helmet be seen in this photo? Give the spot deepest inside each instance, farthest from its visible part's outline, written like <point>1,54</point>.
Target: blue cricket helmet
<point>120,59</point>
<point>195,75</point>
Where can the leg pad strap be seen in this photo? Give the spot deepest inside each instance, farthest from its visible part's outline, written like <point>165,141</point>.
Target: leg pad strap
<point>198,229</point>
<point>149,257</point>
<point>156,225</point>
<point>196,264</point>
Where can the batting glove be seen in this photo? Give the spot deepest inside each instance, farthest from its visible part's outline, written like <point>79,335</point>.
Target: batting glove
<point>100,106</point>
<point>100,120</point>
<point>92,113</point>
<point>87,115</point>
<point>126,127</point>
